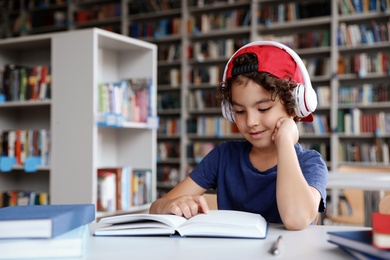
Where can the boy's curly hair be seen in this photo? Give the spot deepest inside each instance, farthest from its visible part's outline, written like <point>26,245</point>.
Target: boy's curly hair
<point>276,86</point>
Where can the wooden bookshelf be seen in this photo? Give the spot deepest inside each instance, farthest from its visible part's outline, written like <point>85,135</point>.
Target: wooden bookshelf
<point>193,50</point>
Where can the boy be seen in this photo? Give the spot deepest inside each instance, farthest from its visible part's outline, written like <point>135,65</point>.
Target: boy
<point>265,90</point>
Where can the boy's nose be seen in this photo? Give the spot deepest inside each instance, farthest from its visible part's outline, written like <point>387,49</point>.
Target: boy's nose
<point>253,119</point>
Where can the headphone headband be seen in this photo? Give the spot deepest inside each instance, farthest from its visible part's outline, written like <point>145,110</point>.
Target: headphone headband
<point>278,63</point>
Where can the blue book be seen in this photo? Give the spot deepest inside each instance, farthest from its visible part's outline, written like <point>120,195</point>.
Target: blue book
<point>43,221</point>
<point>358,240</point>
<point>69,244</point>
<point>358,255</point>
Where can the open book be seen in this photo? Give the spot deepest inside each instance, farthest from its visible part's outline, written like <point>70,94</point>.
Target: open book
<point>217,223</point>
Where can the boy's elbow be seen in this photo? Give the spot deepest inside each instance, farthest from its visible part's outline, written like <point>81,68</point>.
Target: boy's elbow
<point>295,225</point>
<point>297,222</point>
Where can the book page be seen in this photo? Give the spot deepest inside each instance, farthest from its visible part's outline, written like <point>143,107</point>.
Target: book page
<point>225,223</point>
<point>169,220</point>
<point>136,229</point>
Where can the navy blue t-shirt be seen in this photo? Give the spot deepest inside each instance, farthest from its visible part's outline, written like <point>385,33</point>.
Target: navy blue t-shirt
<point>240,186</point>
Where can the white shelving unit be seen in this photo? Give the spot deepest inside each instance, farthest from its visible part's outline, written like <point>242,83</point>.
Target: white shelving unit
<point>80,60</point>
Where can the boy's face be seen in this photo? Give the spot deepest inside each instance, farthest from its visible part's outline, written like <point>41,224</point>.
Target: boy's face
<point>256,113</point>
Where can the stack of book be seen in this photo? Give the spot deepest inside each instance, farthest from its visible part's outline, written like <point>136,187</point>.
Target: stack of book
<point>366,243</point>
<point>45,230</point>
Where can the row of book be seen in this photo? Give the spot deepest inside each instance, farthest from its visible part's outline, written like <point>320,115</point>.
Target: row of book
<point>302,40</point>
<point>211,126</point>
<point>168,150</point>
<point>151,6</point>
<point>288,12</point>
<point>21,83</point>
<point>97,12</point>
<point>169,126</point>
<point>320,125</point>
<point>357,34</point>
<point>125,101</point>
<point>364,94</point>
<point>203,3</point>
<point>168,175</point>
<point>198,150</point>
<point>206,74</point>
<point>52,17</point>
<point>213,49</point>
<point>169,52</point>
<point>377,152</point>
<point>203,98</point>
<point>169,100</point>
<point>322,147</point>
<point>156,28</point>
<point>223,20</point>
<point>353,122</point>
<point>23,198</point>
<point>317,66</point>
<point>169,76</point>
<point>323,95</point>
<point>364,64</point>
<point>120,188</point>
<point>362,6</point>
<point>22,145</point>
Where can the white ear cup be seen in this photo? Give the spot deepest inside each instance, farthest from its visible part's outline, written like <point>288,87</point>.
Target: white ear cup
<point>311,99</point>
<point>305,100</point>
<point>304,95</point>
<point>227,111</point>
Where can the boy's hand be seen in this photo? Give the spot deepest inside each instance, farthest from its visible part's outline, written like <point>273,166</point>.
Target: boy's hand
<point>285,129</point>
<point>187,206</point>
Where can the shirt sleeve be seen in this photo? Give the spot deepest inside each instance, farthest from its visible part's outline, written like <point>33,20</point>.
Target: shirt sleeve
<point>315,172</point>
<point>205,173</point>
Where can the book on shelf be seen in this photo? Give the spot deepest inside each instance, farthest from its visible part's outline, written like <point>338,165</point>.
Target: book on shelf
<point>68,244</point>
<point>216,223</point>
<point>23,83</point>
<point>123,178</point>
<point>21,145</point>
<point>358,240</point>
<point>142,186</point>
<point>128,100</point>
<point>381,230</point>
<point>43,221</point>
<point>23,198</point>
<point>107,191</point>
<point>120,188</point>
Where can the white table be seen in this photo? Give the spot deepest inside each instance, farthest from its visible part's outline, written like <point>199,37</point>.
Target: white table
<point>310,243</point>
<point>370,183</point>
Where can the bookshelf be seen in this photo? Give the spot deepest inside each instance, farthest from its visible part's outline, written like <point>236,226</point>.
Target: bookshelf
<point>79,146</point>
<point>190,33</point>
<point>315,39</point>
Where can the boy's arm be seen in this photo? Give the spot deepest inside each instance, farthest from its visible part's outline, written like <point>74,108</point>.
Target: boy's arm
<point>297,201</point>
<point>183,200</point>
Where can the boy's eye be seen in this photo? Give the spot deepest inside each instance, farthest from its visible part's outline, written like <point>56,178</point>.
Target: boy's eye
<point>239,111</point>
<point>264,109</point>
